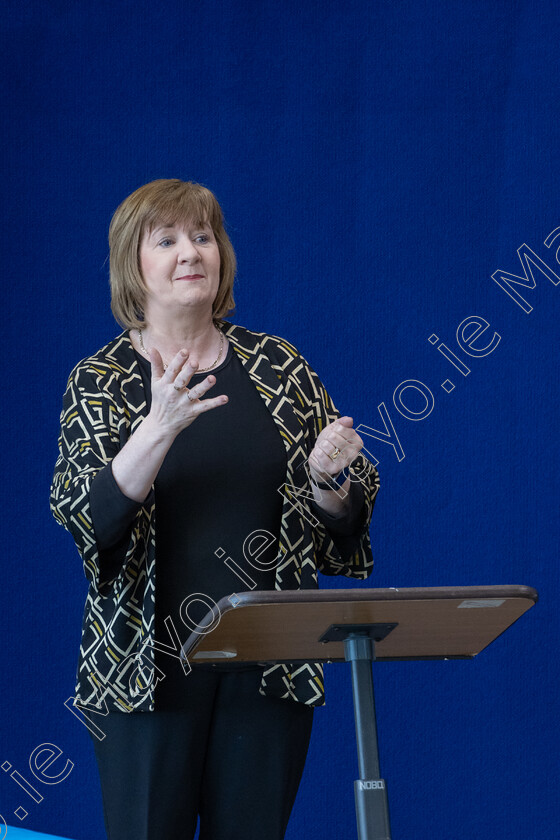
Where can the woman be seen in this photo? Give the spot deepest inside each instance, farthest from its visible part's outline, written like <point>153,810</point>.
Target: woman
<point>155,501</point>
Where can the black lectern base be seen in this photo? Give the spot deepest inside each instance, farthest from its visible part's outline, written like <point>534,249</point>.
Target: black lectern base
<point>370,794</point>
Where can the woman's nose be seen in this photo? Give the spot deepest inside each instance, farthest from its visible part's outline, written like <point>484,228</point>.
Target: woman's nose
<point>187,251</point>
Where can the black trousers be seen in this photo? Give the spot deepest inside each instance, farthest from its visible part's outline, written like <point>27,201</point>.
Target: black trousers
<point>229,755</point>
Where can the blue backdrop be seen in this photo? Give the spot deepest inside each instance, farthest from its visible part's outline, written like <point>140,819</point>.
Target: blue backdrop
<point>377,163</point>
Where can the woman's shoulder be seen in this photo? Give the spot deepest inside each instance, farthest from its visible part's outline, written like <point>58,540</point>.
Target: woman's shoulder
<point>115,357</point>
<point>252,339</point>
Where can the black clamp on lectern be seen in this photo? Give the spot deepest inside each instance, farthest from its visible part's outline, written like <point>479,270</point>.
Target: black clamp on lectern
<point>359,626</point>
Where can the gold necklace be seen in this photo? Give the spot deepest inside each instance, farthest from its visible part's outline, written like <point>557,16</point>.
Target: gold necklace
<point>198,370</point>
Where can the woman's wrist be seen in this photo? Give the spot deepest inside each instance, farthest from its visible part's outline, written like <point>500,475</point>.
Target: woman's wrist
<point>137,464</point>
<point>156,431</point>
<point>333,499</point>
<point>334,483</point>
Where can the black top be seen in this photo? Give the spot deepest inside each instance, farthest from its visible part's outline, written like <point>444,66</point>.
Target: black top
<point>217,507</point>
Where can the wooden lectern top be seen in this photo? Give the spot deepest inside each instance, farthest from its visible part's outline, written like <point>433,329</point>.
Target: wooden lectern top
<point>431,623</point>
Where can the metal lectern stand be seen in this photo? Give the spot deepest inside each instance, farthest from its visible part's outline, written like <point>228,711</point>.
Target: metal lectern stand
<point>358,626</point>
<point>370,793</point>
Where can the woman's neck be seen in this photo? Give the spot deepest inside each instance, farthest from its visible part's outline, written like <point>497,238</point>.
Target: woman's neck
<point>202,340</point>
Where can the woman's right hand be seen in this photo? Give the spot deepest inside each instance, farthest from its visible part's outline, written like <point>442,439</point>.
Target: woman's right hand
<point>174,405</point>
<point>137,464</point>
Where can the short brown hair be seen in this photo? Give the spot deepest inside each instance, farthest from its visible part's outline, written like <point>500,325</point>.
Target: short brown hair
<point>168,201</point>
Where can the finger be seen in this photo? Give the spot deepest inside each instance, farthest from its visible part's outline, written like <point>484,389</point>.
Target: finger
<point>339,433</point>
<point>157,363</point>
<point>187,369</point>
<point>328,466</point>
<point>176,364</point>
<point>334,466</point>
<point>334,441</point>
<point>201,406</point>
<point>341,425</point>
<point>201,388</point>
<point>346,421</point>
<point>323,465</point>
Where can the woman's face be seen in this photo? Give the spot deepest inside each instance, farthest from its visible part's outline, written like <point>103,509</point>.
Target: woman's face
<point>181,268</point>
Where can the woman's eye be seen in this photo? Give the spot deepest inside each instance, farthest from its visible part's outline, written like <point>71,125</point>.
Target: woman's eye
<point>202,237</point>
<point>165,242</point>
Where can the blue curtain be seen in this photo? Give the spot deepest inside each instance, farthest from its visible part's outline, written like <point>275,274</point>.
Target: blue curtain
<point>384,168</point>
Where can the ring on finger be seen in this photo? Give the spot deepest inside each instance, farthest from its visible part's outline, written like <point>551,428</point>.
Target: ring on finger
<point>192,399</point>
<point>334,454</point>
<point>180,387</point>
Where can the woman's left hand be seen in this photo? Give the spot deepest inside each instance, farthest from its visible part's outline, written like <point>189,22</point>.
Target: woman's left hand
<point>335,449</point>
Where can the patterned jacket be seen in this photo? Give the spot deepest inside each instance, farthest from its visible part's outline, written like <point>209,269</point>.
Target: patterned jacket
<point>104,403</point>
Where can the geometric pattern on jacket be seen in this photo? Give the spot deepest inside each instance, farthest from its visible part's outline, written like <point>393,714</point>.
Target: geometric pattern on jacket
<point>103,404</point>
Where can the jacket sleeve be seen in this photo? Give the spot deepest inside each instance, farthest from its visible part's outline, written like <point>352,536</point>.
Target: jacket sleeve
<point>339,550</point>
<point>93,428</point>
